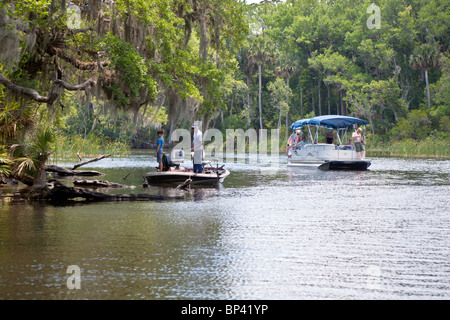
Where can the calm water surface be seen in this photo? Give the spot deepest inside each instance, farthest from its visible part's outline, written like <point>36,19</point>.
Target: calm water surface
<point>291,233</point>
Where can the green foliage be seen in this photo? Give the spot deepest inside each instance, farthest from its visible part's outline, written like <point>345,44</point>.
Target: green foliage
<point>440,92</point>
<point>14,120</point>
<point>70,147</point>
<point>5,162</point>
<point>236,121</point>
<point>417,126</point>
<point>31,155</point>
<point>425,56</point>
<point>370,73</point>
<point>171,60</point>
<point>279,92</point>
<point>40,8</point>
<point>213,97</point>
<point>132,70</point>
<point>42,141</point>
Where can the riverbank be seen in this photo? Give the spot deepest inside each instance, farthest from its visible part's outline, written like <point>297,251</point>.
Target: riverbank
<point>77,146</point>
<point>427,148</point>
<point>388,153</point>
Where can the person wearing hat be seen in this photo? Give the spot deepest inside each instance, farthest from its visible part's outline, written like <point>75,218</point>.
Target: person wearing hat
<point>198,149</point>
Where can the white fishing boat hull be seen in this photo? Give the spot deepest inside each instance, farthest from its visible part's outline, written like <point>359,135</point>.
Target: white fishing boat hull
<point>317,154</point>
<point>174,174</point>
<point>178,177</point>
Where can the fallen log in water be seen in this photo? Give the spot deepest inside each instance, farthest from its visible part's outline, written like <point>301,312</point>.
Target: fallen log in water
<point>72,172</point>
<point>82,163</point>
<point>61,192</point>
<point>99,184</point>
<point>69,172</point>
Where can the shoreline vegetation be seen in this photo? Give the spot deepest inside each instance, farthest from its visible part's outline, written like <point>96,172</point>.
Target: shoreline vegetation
<point>409,149</point>
<point>126,69</point>
<point>412,149</point>
<point>77,147</point>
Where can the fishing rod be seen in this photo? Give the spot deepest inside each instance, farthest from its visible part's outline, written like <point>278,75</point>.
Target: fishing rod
<point>119,134</point>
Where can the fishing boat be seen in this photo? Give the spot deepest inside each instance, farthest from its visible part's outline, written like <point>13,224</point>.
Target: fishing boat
<point>174,174</point>
<point>304,148</point>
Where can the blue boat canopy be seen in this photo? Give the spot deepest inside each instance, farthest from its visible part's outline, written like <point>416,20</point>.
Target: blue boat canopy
<point>299,124</point>
<point>329,121</point>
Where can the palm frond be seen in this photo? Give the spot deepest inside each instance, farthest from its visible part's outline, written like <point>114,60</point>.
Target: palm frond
<point>43,140</point>
<point>23,166</point>
<point>5,164</point>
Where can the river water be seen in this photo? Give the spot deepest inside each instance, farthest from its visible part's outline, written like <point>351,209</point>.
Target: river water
<point>286,233</point>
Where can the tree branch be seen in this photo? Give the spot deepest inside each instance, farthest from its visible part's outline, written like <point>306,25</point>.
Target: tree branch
<point>78,63</point>
<point>54,92</point>
<point>76,31</point>
<point>33,94</point>
<point>82,163</point>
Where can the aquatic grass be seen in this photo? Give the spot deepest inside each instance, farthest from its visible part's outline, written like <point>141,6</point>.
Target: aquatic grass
<point>69,148</point>
<point>409,148</point>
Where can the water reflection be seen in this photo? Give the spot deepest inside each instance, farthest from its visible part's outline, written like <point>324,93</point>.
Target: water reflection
<point>291,233</point>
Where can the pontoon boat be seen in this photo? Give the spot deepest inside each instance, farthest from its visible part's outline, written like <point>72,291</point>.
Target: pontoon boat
<point>307,151</point>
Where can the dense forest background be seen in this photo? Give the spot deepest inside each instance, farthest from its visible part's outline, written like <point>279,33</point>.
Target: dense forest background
<point>93,76</point>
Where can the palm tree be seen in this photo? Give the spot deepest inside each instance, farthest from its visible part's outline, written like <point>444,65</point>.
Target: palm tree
<point>5,162</point>
<point>262,53</point>
<point>29,161</point>
<point>248,68</point>
<point>285,69</point>
<point>423,58</point>
<point>14,121</point>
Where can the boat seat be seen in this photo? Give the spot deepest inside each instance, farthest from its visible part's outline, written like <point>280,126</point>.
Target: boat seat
<point>167,163</point>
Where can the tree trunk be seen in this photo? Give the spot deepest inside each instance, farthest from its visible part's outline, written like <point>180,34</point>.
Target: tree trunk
<point>259,97</point>
<point>248,100</point>
<point>428,89</point>
<point>203,27</point>
<point>329,102</point>
<point>371,125</point>
<point>205,122</point>
<point>287,104</point>
<point>301,97</point>
<point>248,91</point>
<point>67,172</point>
<point>40,178</point>
<point>320,98</point>
<point>313,101</point>
<point>39,189</point>
<point>345,107</point>
<point>279,119</point>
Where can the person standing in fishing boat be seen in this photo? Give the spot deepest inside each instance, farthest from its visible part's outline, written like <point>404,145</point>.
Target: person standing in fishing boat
<point>198,149</point>
<point>159,149</point>
<point>359,143</point>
